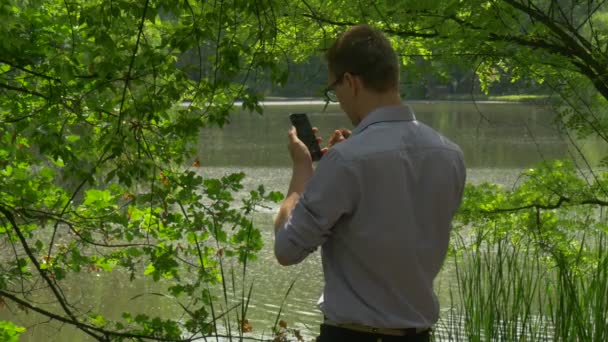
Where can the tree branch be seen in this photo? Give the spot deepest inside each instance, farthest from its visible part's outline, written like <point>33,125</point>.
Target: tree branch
<point>59,219</point>
<point>43,273</point>
<point>576,47</point>
<point>562,200</point>
<point>23,90</point>
<point>31,72</point>
<point>570,47</point>
<point>105,332</point>
<point>124,90</point>
<point>396,32</point>
<point>81,325</point>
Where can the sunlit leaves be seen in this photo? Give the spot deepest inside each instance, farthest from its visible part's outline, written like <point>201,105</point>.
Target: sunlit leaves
<point>98,198</point>
<point>153,326</point>
<point>99,113</point>
<point>552,203</point>
<point>10,332</point>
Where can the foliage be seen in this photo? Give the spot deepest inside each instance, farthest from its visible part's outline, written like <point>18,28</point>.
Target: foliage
<point>553,202</point>
<point>10,332</point>
<point>561,44</point>
<point>531,261</point>
<point>96,138</point>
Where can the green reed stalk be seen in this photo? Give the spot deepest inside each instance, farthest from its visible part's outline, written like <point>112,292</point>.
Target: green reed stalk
<point>516,291</point>
<point>276,321</point>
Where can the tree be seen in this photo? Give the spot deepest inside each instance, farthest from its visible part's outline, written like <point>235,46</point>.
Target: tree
<point>95,132</point>
<point>559,43</point>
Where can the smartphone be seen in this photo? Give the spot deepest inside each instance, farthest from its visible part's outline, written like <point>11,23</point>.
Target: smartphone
<point>305,133</point>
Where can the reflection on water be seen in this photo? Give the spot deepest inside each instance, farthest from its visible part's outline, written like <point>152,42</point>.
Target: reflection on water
<point>498,140</point>
<point>494,135</point>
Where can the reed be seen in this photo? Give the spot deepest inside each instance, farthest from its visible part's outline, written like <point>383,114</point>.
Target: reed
<point>527,290</point>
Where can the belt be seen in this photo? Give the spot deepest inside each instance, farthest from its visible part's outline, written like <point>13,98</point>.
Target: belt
<point>380,331</point>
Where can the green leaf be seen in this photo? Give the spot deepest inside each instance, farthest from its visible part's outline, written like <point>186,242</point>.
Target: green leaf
<point>149,269</point>
<point>72,138</point>
<point>97,198</point>
<point>98,320</point>
<point>276,196</point>
<point>47,173</point>
<point>106,264</point>
<point>9,332</point>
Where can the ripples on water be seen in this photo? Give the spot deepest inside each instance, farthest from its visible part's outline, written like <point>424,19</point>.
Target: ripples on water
<point>271,280</point>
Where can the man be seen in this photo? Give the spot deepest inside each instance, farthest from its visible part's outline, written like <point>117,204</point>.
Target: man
<point>380,203</point>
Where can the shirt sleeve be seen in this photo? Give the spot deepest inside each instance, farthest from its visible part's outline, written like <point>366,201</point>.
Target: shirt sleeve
<point>331,193</point>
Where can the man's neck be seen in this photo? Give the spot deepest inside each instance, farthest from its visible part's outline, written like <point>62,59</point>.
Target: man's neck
<point>379,101</point>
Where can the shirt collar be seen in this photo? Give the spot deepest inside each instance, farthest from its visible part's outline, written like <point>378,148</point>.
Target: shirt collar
<point>383,114</point>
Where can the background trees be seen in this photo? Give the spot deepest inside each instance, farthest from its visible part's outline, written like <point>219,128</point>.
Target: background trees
<point>548,41</point>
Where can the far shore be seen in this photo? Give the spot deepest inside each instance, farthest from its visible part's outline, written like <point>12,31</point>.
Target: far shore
<point>499,99</point>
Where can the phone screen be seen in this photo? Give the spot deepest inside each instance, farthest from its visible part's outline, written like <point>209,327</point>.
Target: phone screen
<point>305,133</point>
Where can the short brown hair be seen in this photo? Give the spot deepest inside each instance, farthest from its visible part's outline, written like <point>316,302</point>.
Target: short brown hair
<point>364,51</point>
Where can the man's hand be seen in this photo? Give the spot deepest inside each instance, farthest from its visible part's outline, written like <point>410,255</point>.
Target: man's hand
<point>338,136</point>
<point>297,149</point>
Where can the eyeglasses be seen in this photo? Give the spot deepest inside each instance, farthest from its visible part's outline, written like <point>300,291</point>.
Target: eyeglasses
<point>330,92</point>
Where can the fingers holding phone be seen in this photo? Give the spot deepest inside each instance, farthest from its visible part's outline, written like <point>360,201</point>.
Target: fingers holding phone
<point>305,136</point>
<point>304,133</point>
<point>297,149</point>
<point>315,130</point>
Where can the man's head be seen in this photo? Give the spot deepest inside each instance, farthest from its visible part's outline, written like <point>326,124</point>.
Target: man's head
<point>363,71</point>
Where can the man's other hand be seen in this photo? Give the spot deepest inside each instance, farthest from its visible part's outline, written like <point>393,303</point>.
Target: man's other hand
<point>338,136</point>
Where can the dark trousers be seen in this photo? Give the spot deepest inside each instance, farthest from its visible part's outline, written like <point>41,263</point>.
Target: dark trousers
<point>330,333</point>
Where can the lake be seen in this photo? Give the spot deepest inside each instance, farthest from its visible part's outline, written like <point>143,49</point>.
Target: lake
<point>498,140</point>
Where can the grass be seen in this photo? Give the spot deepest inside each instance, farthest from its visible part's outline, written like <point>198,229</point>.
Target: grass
<point>519,98</point>
<point>516,291</point>
<point>527,98</point>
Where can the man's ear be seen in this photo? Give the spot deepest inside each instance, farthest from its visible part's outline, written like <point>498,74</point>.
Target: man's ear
<point>353,82</point>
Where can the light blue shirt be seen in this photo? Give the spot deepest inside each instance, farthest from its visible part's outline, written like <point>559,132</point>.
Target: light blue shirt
<point>380,204</point>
